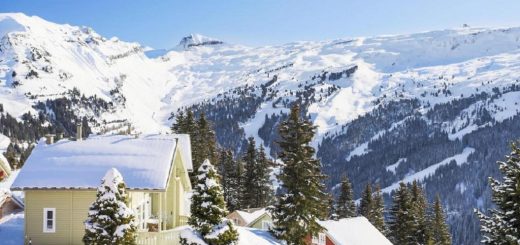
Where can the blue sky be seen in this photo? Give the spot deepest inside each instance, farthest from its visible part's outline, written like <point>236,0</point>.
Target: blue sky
<point>161,24</point>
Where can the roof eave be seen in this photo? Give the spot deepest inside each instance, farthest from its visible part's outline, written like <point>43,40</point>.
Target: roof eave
<point>83,189</point>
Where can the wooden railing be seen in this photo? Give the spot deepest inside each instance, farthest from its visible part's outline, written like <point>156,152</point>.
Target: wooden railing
<point>166,237</point>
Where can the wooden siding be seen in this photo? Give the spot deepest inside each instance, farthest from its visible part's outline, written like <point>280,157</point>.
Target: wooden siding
<point>71,212</point>
<point>258,222</point>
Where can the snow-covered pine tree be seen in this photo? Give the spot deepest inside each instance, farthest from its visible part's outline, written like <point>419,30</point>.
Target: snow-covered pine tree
<point>109,220</point>
<point>401,220</point>
<point>366,204</point>
<point>208,210</point>
<point>420,206</point>
<point>503,226</point>
<point>345,206</point>
<point>378,216</point>
<point>250,176</point>
<point>303,200</point>
<point>440,234</point>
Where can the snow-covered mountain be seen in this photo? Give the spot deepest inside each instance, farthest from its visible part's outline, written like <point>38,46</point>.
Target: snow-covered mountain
<point>388,108</point>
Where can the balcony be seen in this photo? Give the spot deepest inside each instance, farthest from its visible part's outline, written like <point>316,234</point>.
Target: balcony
<point>165,237</point>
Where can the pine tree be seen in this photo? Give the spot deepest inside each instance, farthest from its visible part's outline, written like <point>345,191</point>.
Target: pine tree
<point>332,213</point>
<point>378,216</point>
<point>250,177</point>
<point>208,210</point>
<point>303,201</point>
<point>419,207</point>
<point>345,207</point>
<point>109,220</point>
<point>239,184</point>
<point>205,141</point>
<point>231,179</point>
<point>440,234</point>
<point>503,226</point>
<point>265,191</point>
<point>401,220</point>
<point>178,126</point>
<point>202,138</point>
<point>366,203</point>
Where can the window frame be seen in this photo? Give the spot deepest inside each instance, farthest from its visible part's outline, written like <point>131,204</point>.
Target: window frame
<point>314,240</point>
<point>322,238</point>
<point>266,225</point>
<point>45,220</point>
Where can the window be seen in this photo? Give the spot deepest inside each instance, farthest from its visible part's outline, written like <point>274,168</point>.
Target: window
<point>266,225</point>
<point>321,239</point>
<point>49,220</point>
<point>314,240</point>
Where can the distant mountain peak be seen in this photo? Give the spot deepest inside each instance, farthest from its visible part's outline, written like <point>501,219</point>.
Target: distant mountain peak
<point>194,40</point>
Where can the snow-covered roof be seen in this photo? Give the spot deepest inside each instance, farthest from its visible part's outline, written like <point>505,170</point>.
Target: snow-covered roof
<point>354,231</point>
<point>246,236</point>
<point>144,161</point>
<point>250,216</point>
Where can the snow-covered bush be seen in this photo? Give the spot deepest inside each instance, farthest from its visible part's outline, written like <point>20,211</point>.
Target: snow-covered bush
<point>109,220</point>
<point>208,212</point>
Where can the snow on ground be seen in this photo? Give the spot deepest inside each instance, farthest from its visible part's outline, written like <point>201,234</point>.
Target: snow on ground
<point>252,126</point>
<point>251,236</point>
<point>393,167</point>
<point>354,231</point>
<point>4,143</point>
<point>358,151</point>
<point>247,236</point>
<point>425,173</point>
<point>12,229</point>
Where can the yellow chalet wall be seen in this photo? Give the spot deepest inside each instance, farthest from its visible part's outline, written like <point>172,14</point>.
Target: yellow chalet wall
<point>259,223</point>
<point>71,210</point>
<point>72,205</point>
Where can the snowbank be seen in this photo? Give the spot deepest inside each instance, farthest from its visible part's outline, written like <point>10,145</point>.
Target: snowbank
<point>247,236</point>
<point>12,229</point>
<point>354,231</point>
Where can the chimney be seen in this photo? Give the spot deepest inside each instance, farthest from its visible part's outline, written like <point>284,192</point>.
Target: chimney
<point>129,129</point>
<point>79,135</point>
<point>49,139</point>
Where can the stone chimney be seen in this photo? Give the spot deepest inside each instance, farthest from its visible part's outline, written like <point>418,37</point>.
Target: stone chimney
<point>49,139</point>
<point>79,135</point>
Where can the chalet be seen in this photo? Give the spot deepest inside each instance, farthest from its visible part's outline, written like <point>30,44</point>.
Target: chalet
<point>258,218</point>
<point>60,180</point>
<point>350,231</point>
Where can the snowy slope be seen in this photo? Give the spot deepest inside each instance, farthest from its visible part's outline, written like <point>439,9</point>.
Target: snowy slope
<point>66,57</point>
